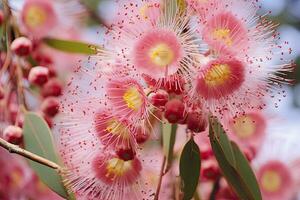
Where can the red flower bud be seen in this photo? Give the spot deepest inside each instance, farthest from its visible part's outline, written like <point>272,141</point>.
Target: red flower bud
<point>1,17</point>
<point>13,134</point>
<point>174,111</point>
<point>207,154</point>
<point>141,136</point>
<point>2,93</point>
<point>38,75</point>
<point>52,88</point>
<point>21,46</point>
<point>126,154</point>
<point>211,172</point>
<point>196,122</point>
<point>159,98</point>
<point>50,106</point>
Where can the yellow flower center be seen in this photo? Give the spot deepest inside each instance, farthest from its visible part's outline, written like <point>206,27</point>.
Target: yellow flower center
<point>117,168</point>
<point>143,11</point>
<point>16,178</point>
<point>271,181</point>
<point>217,75</point>
<point>115,127</point>
<point>35,16</point>
<point>133,98</point>
<point>244,127</point>
<point>161,55</point>
<point>223,34</point>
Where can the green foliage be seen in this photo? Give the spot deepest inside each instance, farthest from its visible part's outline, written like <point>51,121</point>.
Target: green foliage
<point>70,46</point>
<point>169,136</point>
<point>233,164</point>
<point>190,165</point>
<point>38,140</point>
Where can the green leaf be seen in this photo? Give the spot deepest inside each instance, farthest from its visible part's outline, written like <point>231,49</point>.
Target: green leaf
<point>233,164</point>
<point>71,46</point>
<point>245,170</point>
<point>220,135</point>
<point>190,165</point>
<point>169,136</point>
<point>38,140</point>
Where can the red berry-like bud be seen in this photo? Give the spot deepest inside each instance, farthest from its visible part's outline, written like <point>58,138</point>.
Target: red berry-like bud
<point>2,93</point>
<point>13,134</point>
<point>141,136</point>
<point>196,122</point>
<point>50,106</point>
<point>1,17</point>
<point>174,111</point>
<point>52,88</point>
<point>21,46</point>
<point>211,172</point>
<point>126,154</point>
<point>207,154</point>
<point>38,75</point>
<point>159,98</point>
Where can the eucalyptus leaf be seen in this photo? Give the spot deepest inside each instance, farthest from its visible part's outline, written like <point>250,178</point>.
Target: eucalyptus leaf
<point>71,46</point>
<point>189,166</point>
<point>38,140</point>
<point>169,136</point>
<point>233,164</point>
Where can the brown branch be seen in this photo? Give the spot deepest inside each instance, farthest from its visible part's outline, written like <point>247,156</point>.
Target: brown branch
<point>160,178</point>
<point>17,150</point>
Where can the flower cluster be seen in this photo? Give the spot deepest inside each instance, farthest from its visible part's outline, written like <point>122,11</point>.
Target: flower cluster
<point>161,61</point>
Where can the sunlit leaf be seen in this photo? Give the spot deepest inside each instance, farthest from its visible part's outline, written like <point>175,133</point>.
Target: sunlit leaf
<point>38,140</point>
<point>71,46</point>
<point>190,164</point>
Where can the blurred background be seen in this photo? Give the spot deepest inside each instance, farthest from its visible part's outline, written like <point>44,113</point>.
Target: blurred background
<point>284,120</point>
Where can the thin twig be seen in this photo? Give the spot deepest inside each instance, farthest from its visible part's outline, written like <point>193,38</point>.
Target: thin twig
<point>17,150</point>
<point>160,178</point>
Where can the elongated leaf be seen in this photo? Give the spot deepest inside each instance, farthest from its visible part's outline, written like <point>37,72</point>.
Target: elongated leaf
<point>244,168</point>
<point>190,164</point>
<point>219,134</point>
<point>230,173</point>
<point>71,46</point>
<point>38,140</point>
<point>169,136</point>
<point>233,164</point>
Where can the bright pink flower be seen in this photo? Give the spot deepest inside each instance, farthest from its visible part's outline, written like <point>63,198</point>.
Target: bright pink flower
<point>247,129</point>
<point>127,98</point>
<point>39,17</point>
<point>276,181</point>
<point>113,131</point>
<point>158,53</point>
<point>220,78</point>
<point>225,33</point>
<point>160,49</point>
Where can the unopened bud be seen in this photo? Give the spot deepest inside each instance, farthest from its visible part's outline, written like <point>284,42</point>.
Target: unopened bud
<point>1,17</point>
<point>13,134</point>
<point>159,98</point>
<point>38,75</point>
<point>50,106</point>
<point>196,122</point>
<point>21,46</point>
<point>52,88</point>
<point>174,111</point>
<point>2,93</point>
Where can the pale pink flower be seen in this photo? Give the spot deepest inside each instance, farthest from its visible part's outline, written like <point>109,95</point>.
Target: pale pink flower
<point>243,61</point>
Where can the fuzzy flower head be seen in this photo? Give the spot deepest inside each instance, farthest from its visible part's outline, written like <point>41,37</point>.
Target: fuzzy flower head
<point>158,47</point>
<point>39,17</point>
<point>243,60</point>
